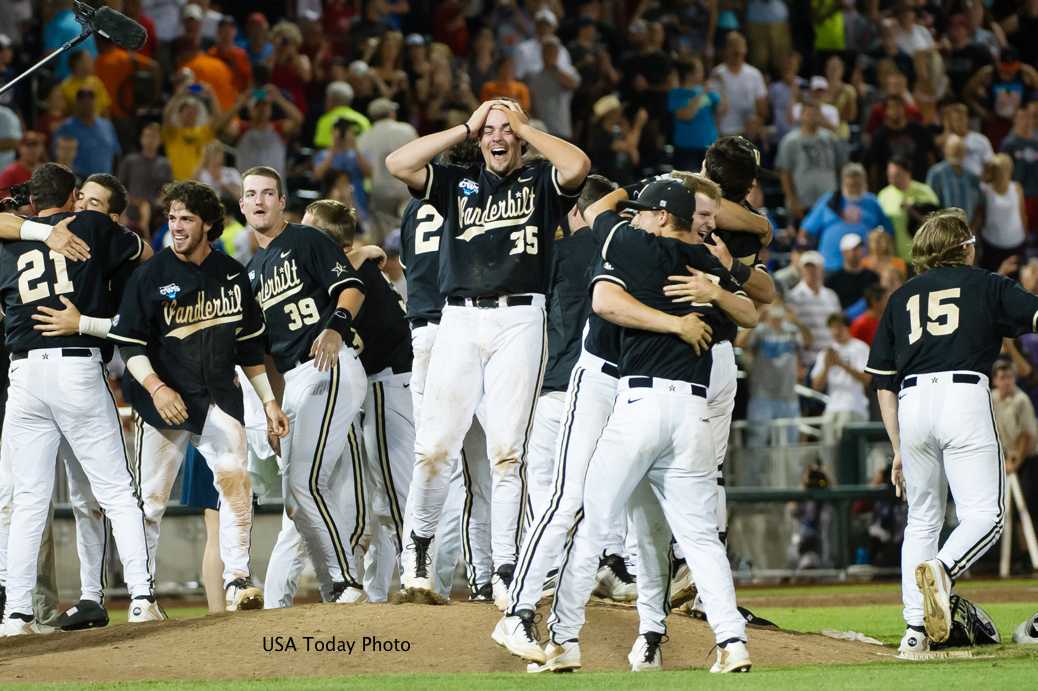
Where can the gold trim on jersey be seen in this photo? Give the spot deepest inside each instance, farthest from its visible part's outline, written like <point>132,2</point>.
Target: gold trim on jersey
<point>185,331</point>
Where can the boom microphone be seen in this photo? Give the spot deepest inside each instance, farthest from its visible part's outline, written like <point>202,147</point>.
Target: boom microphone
<point>115,26</point>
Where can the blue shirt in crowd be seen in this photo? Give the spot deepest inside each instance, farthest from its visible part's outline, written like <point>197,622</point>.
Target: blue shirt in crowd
<point>859,216</point>
<point>701,131</point>
<point>955,188</point>
<point>98,145</point>
<point>63,27</point>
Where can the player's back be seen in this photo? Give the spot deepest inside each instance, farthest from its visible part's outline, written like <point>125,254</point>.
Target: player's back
<point>381,324</point>
<point>35,276</point>
<point>421,231</point>
<point>953,318</point>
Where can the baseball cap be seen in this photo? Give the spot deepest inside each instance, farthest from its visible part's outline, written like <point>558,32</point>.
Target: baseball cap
<point>5,41</point>
<point>192,11</point>
<point>819,82</point>
<point>665,195</point>
<point>849,242</point>
<point>415,40</point>
<point>546,15</point>
<point>812,257</point>
<point>359,68</point>
<point>606,105</point>
<point>381,107</point>
<point>226,19</point>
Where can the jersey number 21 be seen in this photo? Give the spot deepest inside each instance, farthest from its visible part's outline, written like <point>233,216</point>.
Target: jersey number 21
<point>942,316</point>
<point>31,266</point>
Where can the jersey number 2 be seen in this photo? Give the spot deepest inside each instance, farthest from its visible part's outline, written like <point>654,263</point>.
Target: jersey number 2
<point>31,266</point>
<point>937,308</point>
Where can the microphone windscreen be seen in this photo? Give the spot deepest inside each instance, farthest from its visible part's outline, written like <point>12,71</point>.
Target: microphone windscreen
<point>120,29</point>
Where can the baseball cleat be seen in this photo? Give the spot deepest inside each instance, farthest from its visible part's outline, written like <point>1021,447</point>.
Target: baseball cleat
<point>416,563</point>
<point>18,624</point>
<point>241,594</point>
<point>344,594</point>
<point>550,583</point>
<point>1027,632</point>
<point>615,582</point>
<point>501,580</point>
<point>732,656</point>
<point>646,655</point>
<point>558,658</point>
<point>85,614</point>
<point>144,608</point>
<point>485,593</point>
<point>518,634</point>
<point>682,587</point>
<point>913,644</point>
<point>935,585</point>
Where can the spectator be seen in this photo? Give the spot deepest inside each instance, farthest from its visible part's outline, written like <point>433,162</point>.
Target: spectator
<point>851,209</point>
<point>1014,417</point>
<point>645,72</point>
<point>965,57</point>
<point>208,70</point>
<point>7,70</point>
<point>506,84</point>
<point>388,195</point>
<point>552,90</point>
<point>811,545</point>
<point>841,96</point>
<point>979,21</point>
<point>134,82</point>
<point>840,372</point>
<point>767,33</point>
<point>614,141</point>
<point>1003,219</point>
<point>897,200</point>
<point>387,69</point>
<point>256,41</point>
<point>481,62</point>
<point>954,185</point>
<point>813,303</point>
<point>742,85</point>
<point>911,37</point>
<point>864,326</point>
<point>1022,146</point>
<point>291,70</point>
<point>1020,28</point>
<point>226,180</point>
<point>66,148</point>
<point>528,54</point>
<point>829,115</point>
<point>776,345</point>
<point>998,91</point>
<point>132,9</point>
<point>263,141</point>
<point>852,279</point>
<point>598,77</point>
<point>98,143</point>
<point>144,173</point>
<point>30,155</point>
<point>894,84</point>
<point>59,29</point>
<point>887,53</point>
<point>232,54</point>
<point>899,137</point>
<point>809,160</point>
<point>337,99</point>
<point>187,127</point>
<point>365,84</point>
<point>881,259</point>
<point>343,157</point>
<point>694,108</point>
<point>450,27</point>
<point>82,76</point>
<point>955,119</point>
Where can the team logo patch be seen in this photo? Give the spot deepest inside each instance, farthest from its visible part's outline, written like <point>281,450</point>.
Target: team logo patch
<point>252,275</point>
<point>607,266</point>
<point>468,187</point>
<point>171,291</point>
<point>338,269</point>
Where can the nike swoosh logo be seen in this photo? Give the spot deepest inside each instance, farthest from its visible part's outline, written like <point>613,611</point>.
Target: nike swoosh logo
<point>231,277</point>
<point>407,386</point>
<point>633,401</point>
<point>286,253</point>
<point>526,179</point>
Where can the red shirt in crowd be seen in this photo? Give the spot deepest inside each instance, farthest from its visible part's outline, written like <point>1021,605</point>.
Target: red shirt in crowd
<point>864,327</point>
<point>14,174</point>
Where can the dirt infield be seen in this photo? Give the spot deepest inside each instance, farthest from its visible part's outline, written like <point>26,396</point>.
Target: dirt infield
<point>412,638</point>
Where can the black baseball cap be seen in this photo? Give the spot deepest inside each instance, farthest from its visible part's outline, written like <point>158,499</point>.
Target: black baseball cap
<point>665,195</point>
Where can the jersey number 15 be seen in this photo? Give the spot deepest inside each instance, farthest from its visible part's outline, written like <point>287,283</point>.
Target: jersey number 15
<point>31,266</point>
<point>938,308</point>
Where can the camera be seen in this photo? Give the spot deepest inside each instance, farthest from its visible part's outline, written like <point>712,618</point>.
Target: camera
<point>18,196</point>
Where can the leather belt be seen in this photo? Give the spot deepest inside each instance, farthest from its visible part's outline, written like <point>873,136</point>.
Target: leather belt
<point>65,352</point>
<point>491,301</point>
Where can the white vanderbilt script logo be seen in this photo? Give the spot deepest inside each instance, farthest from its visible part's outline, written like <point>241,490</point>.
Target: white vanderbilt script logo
<point>204,313</point>
<point>284,283</point>
<point>514,210</point>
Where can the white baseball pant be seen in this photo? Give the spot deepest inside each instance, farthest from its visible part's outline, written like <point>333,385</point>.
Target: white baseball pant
<point>53,395</point>
<point>321,408</point>
<point>468,497</point>
<point>487,362</point>
<point>587,407</point>
<point>92,529</point>
<point>540,459</point>
<point>948,442</point>
<point>658,433</point>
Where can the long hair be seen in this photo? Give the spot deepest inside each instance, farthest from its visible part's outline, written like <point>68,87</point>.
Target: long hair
<point>942,240</point>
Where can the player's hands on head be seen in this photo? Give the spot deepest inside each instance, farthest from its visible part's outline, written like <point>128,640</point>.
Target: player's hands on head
<point>170,405</point>
<point>277,425</point>
<point>325,350</point>
<point>517,119</point>
<point>692,288</point>
<point>479,118</point>
<point>52,322</point>
<point>66,243</point>
<point>897,478</point>
<point>695,332</point>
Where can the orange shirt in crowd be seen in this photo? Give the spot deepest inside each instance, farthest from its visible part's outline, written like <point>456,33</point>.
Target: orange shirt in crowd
<point>215,73</point>
<point>238,60</point>
<point>115,67</point>
<point>513,89</point>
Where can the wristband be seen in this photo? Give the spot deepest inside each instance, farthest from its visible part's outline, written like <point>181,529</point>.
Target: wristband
<point>94,326</point>
<point>261,385</point>
<point>468,130</point>
<point>158,388</point>
<point>740,272</point>
<point>34,230</point>
<point>341,322</point>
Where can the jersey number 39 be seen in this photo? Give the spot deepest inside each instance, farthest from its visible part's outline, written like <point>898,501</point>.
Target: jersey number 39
<point>31,266</point>
<point>302,312</point>
<point>942,316</point>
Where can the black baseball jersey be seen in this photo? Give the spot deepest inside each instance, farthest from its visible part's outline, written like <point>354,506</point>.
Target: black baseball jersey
<point>381,324</point>
<point>297,279</point>
<point>33,275</point>
<point>500,230</point>
<point>420,231</point>
<point>745,248</point>
<point>603,336</point>
<point>195,323</point>
<point>948,319</point>
<point>568,305</point>
<point>641,263</point>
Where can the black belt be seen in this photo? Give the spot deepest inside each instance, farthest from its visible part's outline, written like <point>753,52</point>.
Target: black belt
<point>611,370</point>
<point>419,322</point>
<point>65,352</point>
<point>491,301</point>
<point>957,378</point>
<point>646,383</point>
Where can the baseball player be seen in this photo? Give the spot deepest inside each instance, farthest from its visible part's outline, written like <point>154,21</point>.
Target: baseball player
<point>468,498</point>
<point>490,349</point>
<point>310,295</point>
<point>657,446</point>
<point>937,340</point>
<point>59,389</point>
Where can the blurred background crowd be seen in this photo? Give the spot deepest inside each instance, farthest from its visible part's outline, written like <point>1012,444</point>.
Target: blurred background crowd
<point>868,114</point>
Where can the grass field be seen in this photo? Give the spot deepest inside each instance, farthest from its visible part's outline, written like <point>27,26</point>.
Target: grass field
<point>1007,666</point>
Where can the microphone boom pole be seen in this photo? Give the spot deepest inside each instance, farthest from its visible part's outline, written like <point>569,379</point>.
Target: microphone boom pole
<point>69,45</point>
